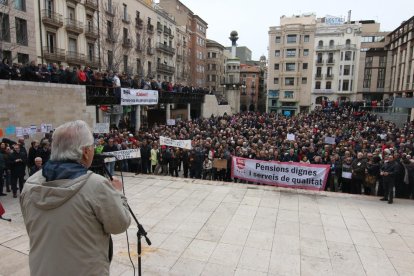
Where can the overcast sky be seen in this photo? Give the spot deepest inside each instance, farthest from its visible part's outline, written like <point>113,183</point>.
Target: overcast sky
<point>252,19</point>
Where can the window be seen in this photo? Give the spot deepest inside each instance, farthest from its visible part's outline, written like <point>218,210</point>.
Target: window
<point>381,78</point>
<point>368,62</point>
<point>318,85</point>
<point>290,52</point>
<point>277,53</point>
<point>276,66</point>
<point>149,68</point>
<point>214,55</point>
<point>345,85</point>
<point>21,31</point>
<point>288,94</point>
<point>306,38</point>
<point>125,58</point>
<point>110,59</point>
<point>348,55</point>
<point>109,29</point>
<point>367,78</point>
<point>125,12</point>
<point>383,61</point>
<point>348,43</point>
<point>277,40</point>
<point>331,43</point>
<point>304,80</point>
<point>51,42</point>
<point>318,72</point>
<point>320,44</point>
<point>289,81</point>
<point>125,35</point>
<point>291,38</point>
<point>4,27</point>
<point>290,67</point>
<point>329,72</point>
<point>22,58</point>
<point>91,52</point>
<point>328,85</point>
<point>305,66</point>
<point>20,5</point>
<point>347,70</point>
<point>330,58</point>
<point>319,59</point>
<point>275,80</point>
<point>305,52</point>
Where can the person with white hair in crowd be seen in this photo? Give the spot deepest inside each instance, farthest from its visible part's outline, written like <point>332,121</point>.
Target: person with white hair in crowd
<point>38,162</point>
<point>69,211</point>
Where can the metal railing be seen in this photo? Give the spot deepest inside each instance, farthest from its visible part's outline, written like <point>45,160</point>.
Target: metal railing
<point>74,25</point>
<point>165,68</point>
<point>75,57</point>
<point>52,18</point>
<point>165,48</point>
<point>53,53</point>
<point>93,4</point>
<point>91,31</point>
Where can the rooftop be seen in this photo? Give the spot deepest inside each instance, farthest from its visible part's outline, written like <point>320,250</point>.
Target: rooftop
<point>213,228</point>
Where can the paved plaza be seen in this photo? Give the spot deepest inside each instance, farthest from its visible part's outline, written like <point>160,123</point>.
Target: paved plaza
<point>215,228</point>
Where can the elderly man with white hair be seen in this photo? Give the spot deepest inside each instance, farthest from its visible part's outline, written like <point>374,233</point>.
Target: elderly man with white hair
<point>69,211</point>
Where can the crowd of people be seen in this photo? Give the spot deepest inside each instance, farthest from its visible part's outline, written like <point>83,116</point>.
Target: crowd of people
<point>368,153</point>
<point>54,73</point>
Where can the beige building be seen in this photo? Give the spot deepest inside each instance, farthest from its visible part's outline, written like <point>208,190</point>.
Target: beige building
<point>17,39</point>
<point>374,63</point>
<point>249,78</point>
<point>215,65</point>
<point>182,72</point>
<point>196,27</point>
<point>290,64</point>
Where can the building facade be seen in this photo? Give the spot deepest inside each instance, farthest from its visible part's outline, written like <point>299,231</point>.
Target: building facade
<point>243,53</point>
<point>250,80</point>
<point>336,60</point>
<point>17,40</point>
<point>215,64</point>
<point>401,44</point>
<point>196,27</point>
<point>290,64</point>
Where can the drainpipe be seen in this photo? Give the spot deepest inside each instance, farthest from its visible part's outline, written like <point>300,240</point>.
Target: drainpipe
<point>40,30</point>
<point>99,40</point>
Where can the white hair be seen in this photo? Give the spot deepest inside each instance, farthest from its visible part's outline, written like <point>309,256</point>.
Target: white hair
<point>69,139</point>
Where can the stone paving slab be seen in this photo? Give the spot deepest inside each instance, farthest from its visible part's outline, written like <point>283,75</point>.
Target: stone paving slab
<point>214,228</point>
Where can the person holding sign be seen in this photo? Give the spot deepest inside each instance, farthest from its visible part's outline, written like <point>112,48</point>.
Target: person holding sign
<point>346,175</point>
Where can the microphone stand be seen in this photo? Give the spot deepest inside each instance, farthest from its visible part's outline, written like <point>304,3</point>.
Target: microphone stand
<point>140,232</point>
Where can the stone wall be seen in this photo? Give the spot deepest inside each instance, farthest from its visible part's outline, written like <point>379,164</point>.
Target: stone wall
<point>30,103</point>
<point>211,106</point>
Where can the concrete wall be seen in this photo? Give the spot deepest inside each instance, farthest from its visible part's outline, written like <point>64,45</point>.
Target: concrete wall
<point>29,103</point>
<point>211,106</point>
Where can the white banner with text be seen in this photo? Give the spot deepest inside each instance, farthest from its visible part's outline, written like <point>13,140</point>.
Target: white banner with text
<point>122,154</point>
<point>138,97</point>
<point>184,144</point>
<point>284,174</point>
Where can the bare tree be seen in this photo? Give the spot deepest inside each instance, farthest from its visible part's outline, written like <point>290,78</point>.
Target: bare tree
<point>13,29</point>
<point>116,39</point>
<point>145,47</point>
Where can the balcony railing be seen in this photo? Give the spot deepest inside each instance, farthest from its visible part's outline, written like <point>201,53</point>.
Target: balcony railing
<point>126,18</point>
<point>319,62</point>
<point>92,4</point>
<point>110,10</point>
<point>330,61</point>
<point>159,27</point>
<point>92,61</point>
<point>127,43</point>
<point>138,47</point>
<point>150,29</point>
<point>53,54</point>
<point>329,76</point>
<point>138,23</point>
<point>110,38</point>
<point>91,32</point>
<point>74,26</point>
<point>163,68</point>
<point>165,48</point>
<point>318,77</point>
<point>179,57</point>
<point>75,1</point>
<point>52,19</point>
<point>150,50</point>
<point>336,47</point>
<point>75,57</point>
<point>167,30</point>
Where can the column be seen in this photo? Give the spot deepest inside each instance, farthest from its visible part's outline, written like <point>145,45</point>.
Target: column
<point>138,118</point>
<point>168,112</point>
<point>188,111</point>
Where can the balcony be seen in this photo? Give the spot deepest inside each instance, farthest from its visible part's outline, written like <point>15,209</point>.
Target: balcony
<point>138,47</point>
<point>329,77</point>
<point>318,76</point>
<point>166,69</point>
<point>319,62</point>
<point>179,57</point>
<point>74,26</point>
<point>165,48</point>
<point>126,43</point>
<point>52,19</point>
<point>126,18</point>
<point>139,23</point>
<point>91,4</point>
<point>75,1</point>
<point>159,27</point>
<point>330,61</point>
<point>150,29</point>
<point>92,62</point>
<point>322,91</point>
<point>110,38</point>
<point>75,57</point>
<point>150,51</point>
<point>91,32</point>
<point>53,54</point>
<point>167,31</point>
<point>110,10</point>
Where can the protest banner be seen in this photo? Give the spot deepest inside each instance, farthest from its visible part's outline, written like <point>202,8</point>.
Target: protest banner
<point>291,137</point>
<point>219,164</point>
<point>171,122</point>
<point>184,144</point>
<point>122,154</point>
<point>291,175</point>
<point>101,128</point>
<point>138,97</point>
<point>330,140</point>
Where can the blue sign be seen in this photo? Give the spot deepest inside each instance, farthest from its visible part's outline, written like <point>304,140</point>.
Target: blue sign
<point>10,130</point>
<point>330,20</point>
<point>287,113</point>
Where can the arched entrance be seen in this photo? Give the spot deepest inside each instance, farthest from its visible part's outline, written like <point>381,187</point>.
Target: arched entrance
<point>320,99</point>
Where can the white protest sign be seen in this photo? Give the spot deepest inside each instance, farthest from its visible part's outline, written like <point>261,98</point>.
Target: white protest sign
<point>291,137</point>
<point>46,128</point>
<point>122,154</point>
<point>138,97</point>
<point>184,144</point>
<point>19,132</point>
<point>291,175</point>
<point>101,128</point>
<point>33,130</point>
<point>330,140</point>
<point>171,122</point>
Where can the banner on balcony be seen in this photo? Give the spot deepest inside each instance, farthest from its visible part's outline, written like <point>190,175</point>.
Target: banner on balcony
<point>184,144</point>
<point>291,175</point>
<point>138,97</point>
